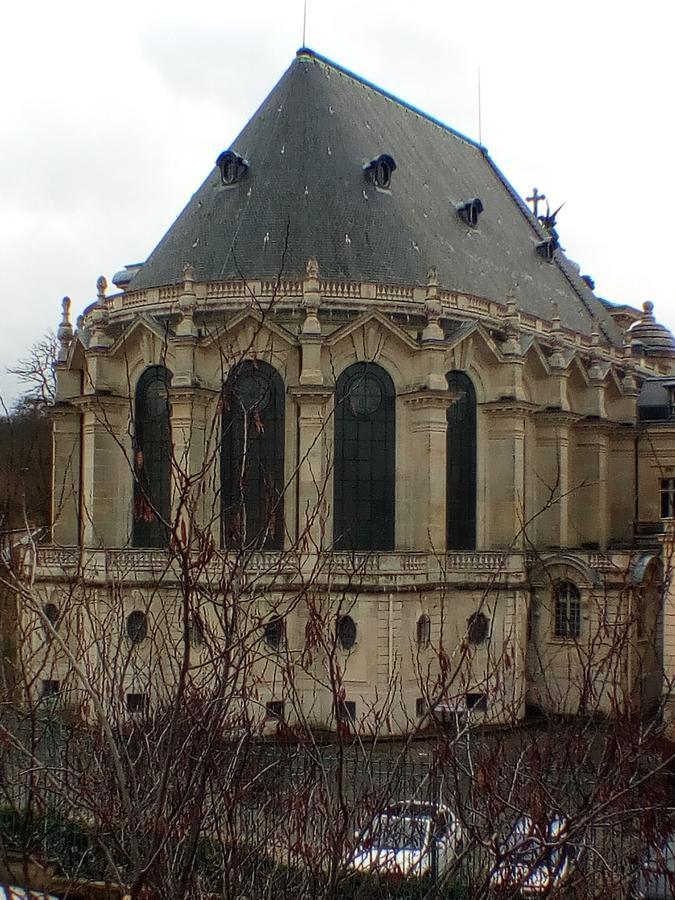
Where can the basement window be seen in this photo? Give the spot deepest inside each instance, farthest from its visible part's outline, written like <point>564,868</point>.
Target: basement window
<point>137,703</point>
<point>476,702</point>
<point>274,711</point>
<point>346,711</point>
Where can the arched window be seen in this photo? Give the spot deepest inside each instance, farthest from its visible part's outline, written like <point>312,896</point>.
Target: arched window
<point>51,612</point>
<point>252,458</point>
<point>461,464</point>
<point>152,458</point>
<point>567,611</point>
<point>423,631</point>
<point>365,434</point>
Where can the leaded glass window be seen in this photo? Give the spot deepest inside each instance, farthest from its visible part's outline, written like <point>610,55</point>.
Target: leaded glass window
<point>365,434</point>
<point>252,458</point>
<point>152,459</point>
<point>461,464</point>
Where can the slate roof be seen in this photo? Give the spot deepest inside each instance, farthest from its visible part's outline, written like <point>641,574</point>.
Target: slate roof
<point>306,194</point>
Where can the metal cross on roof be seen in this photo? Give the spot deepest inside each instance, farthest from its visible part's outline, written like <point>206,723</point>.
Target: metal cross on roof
<point>535,200</point>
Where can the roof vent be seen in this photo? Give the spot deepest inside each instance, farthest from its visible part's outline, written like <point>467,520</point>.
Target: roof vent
<point>469,211</point>
<point>546,248</point>
<point>232,167</point>
<point>380,171</point>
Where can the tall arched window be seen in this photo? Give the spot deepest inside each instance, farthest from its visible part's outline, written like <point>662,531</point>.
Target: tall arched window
<point>567,610</point>
<point>152,458</point>
<point>365,435</point>
<point>252,458</point>
<point>461,464</point>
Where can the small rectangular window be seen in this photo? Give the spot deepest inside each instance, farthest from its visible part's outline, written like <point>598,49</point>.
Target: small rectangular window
<point>667,498</point>
<point>50,688</point>
<point>346,711</point>
<point>477,702</point>
<point>274,710</point>
<point>421,707</point>
<point>137,703</point>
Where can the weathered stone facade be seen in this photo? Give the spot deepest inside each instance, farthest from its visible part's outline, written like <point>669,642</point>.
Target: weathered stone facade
<point>570,553</point>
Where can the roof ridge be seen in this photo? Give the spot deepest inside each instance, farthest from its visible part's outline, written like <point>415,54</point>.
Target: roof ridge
<point>312,54</point>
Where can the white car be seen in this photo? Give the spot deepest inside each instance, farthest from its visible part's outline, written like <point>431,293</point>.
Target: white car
<point>534,858</point>
<point>408,839</point>
<point>655,876</point>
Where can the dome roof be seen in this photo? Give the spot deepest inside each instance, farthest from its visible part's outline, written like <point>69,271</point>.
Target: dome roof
<point>332,167</point>
<point>650,333</point>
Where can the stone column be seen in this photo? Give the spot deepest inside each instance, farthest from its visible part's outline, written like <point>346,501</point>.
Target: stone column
<point>314,454</point>
<point>505,452</point>
<point>552,470</point>
<point>107,471</point>
<point>429,425</point>
<point>66,436</point>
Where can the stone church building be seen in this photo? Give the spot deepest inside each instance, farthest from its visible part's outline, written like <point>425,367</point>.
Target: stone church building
<point>358,441</point>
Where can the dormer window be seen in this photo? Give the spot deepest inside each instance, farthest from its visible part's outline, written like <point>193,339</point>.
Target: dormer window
<point>380,171</point>
<point>232,167</point>
<point>469,211</point>
<point>546,248</point>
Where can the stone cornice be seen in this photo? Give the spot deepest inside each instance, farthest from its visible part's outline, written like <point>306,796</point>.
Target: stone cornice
<point>102,403</point>
<point>556,416</point>
<point>430,399</point>
<point>509,406</point>
<point>319,393</point>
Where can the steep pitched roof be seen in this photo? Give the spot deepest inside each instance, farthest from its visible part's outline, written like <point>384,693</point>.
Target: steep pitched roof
<point>305,194</point>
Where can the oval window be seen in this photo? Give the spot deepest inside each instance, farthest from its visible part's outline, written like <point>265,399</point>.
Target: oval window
<point>51,612</point>
<point>346,632</point>
<point>274,632</point>
<point>137,626</point>
<point>478,628</point>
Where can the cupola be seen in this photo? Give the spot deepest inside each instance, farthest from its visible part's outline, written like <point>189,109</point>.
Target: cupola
<point>646,332</point>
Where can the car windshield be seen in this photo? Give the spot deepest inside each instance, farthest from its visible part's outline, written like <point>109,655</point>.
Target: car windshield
<point>394,832</point>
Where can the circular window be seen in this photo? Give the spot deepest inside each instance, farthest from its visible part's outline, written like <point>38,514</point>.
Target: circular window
<point>274,632</point>
<point>364,394</point>
<point>478,628</point>
<point>51,612</point>
<point>252,390</point>
<point>346,632</point>
<point>137,626</point>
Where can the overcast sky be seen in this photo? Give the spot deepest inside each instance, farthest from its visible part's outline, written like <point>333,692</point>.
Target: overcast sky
<point>113,114</point>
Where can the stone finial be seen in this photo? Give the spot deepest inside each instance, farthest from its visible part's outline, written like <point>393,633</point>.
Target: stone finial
<point>311,298</point>
<point>99,316</point>
<point>64,333</point>
<point>312,268</point>
<point>433,309</point>
<point>511,345</point>
<point>629,384</point>
<point>101,288</point>
<point>187,303</point>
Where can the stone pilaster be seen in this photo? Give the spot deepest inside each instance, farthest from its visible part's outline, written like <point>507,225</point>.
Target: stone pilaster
<point>429,425</point>
<point>195,457</point>
<point>66,436</point>
<point>552,477</point>
<point>588,488</point>
<point>505,452</point>
<point>314,452</point>
<point>107,476</point>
